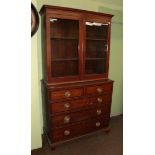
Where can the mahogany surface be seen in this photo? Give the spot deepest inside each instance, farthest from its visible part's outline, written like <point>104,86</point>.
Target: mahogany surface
<point>76,91</point>
<point>79,104</point>
<point>78,129</point>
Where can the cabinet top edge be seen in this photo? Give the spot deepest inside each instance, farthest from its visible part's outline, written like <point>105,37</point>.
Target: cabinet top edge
<point>44,7</point>
<point>78,83</point>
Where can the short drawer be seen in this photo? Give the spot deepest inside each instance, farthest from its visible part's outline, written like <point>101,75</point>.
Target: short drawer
<point>100,100</point>
<point>78,129</point>
<point>99,89</point>
<point>67,118</point>
<point>65,94</point>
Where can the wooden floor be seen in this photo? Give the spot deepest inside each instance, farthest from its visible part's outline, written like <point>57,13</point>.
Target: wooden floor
<point>95,144</point>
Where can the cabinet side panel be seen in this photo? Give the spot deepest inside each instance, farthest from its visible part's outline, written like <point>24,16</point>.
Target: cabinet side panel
<point>45,107</point>
<point>108,46</point>
<point>43,42</point>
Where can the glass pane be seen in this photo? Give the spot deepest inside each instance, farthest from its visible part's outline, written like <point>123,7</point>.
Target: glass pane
<point>64,68</point>
<point>96,30</point>
<point>96,48</point>
<point>95,66</point>
<point>64,47</point>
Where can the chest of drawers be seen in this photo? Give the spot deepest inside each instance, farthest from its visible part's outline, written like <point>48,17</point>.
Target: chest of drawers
<point>75,110</point>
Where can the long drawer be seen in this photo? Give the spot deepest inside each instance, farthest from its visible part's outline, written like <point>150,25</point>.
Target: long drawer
<point>67,118</point>
<point>71,105</point>
<point>78,129</point>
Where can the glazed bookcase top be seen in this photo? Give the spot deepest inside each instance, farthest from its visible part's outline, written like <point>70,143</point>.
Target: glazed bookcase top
<point>76,44</point>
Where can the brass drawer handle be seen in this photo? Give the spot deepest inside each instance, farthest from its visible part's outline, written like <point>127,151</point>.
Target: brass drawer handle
<point>66,132</point>
<point>98,124</point>
<point>98,111</point>
<point>67,94</point>
<point>99,90</point>
<point>99,99</point>
<point>66,105</point>
<point>66,119</point>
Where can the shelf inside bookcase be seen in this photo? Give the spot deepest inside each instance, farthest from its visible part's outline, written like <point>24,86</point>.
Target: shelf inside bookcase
<point>65,59</point>
<point>64,38</point>
<point>95,58</point>
<point>96,39</point>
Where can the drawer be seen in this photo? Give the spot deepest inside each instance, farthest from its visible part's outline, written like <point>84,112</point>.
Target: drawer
<point>69,105</point>
<point>100,100</point>
<point>67,118</point>
<point>78,129</point>
<point>65,94</point>
<point>99,89</point>
<point>79,104</point>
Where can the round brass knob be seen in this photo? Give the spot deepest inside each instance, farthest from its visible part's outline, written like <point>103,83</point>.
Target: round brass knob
<point>98,124</point>
<point>99,90</point>
<point>66,105</point>
<point>66,119</point>
<point>67,94</point>
<point>99,99</point>
<point>98,111</point>
<point>66,132</point>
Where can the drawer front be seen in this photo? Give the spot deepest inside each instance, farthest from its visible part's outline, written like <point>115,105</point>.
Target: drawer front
<point>79,104</point>
<point>99,89</point>
<point>67,106</point>
<point>100,100</point>
<point>68,118</point>
<point>65,94</point>
<point>78,129</point>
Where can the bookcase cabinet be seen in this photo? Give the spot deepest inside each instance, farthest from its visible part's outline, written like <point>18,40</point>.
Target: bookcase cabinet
<point>76,91</point>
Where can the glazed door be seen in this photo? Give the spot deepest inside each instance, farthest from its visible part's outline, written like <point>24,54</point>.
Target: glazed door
<point>64,43</point>
<point>96,49</point>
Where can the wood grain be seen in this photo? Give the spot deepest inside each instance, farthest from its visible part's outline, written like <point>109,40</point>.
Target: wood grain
<point>76,91</point>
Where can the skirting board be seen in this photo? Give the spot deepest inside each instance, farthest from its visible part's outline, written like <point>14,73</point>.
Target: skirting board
<point>116,114</point>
